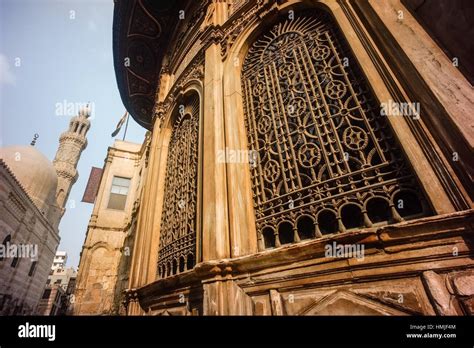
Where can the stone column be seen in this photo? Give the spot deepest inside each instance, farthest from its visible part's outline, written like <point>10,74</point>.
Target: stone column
<point>223,296</point>
<point>145,250</point>
<point>243,234</point>
<point>215,216</point>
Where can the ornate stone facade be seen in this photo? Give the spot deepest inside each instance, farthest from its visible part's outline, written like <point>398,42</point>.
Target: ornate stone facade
<point>304,89</point>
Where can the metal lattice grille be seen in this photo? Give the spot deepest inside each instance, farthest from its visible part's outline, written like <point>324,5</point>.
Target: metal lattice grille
<point>178,224</point>
<point>327,161</point>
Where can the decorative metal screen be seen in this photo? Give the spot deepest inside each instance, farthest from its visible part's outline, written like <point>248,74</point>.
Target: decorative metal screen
<point>327,160</point>
<point>178,224</point>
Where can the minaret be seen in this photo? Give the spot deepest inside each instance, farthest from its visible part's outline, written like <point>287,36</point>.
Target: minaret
<point>71,144</point>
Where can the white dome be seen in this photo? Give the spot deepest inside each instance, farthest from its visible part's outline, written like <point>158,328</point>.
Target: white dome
<point>34,172</point>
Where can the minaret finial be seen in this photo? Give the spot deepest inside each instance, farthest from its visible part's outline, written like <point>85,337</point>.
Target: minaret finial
<point>85,111</point>
<point>88,109</point>
<point>35,137</point>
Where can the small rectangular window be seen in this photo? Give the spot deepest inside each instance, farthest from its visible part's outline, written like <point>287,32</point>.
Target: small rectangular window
<point>32,268</point>
<point>46,293</point>
<point>118,193</point>
<point>15,262</point>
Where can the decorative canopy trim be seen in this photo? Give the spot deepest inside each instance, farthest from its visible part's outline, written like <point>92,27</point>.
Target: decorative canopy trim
<point>141,34</point>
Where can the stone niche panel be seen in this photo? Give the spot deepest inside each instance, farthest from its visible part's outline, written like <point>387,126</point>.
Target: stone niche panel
<point>174,311</point>
<point>262,305</point>
<point>181,302</point>
<point>391,297</point>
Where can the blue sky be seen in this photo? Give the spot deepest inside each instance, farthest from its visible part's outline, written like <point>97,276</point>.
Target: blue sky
<point>56,51</point>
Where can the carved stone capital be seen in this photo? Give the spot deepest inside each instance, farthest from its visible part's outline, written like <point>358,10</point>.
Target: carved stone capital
<point>212,35</point>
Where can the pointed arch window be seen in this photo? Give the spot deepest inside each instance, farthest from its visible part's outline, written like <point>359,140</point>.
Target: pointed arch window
<point>177,250</point>
<point>327,161</point>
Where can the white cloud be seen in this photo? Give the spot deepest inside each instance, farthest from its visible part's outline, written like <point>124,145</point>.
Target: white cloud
<point>6,75</point>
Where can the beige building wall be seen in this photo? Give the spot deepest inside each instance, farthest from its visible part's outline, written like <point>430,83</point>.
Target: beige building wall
<point>99,272</point>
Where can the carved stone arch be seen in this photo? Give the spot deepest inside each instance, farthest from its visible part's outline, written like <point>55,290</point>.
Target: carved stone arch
<point>242,36</point>
<point>179,232</point>
<point>100,244</point>
<point>242,222</point>
<point>234,115</point>
<point>173,98</point>
<point>90,255</point>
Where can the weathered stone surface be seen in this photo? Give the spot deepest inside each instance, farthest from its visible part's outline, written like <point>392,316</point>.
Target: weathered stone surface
<point>436,288</point>
<point>464,285</point>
